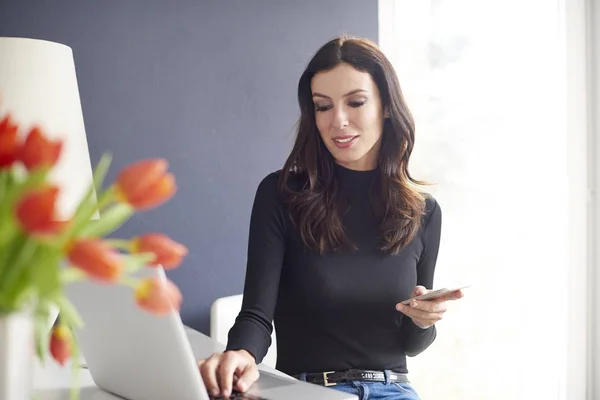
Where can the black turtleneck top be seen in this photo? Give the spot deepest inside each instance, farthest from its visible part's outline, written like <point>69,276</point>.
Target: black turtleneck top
<point>335,311</point>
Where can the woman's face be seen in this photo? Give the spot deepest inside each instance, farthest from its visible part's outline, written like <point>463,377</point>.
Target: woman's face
<point>349,115</point>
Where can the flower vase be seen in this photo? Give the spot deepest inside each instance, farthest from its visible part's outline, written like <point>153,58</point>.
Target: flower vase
<point>16,356</point>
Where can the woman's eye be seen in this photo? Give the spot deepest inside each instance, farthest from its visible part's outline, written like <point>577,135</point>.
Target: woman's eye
<point>322,108</point>
<point>356,104</point>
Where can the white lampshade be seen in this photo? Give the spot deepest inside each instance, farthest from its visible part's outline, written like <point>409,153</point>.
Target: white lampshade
<point>38,86</point>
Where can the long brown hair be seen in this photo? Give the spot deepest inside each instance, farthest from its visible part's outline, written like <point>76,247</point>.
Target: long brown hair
<point>313,207</point>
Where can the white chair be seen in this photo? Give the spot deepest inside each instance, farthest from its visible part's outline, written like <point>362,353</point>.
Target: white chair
<point>222,317</point>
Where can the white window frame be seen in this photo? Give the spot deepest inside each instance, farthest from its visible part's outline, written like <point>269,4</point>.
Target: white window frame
<point>593,107</point>
<point>579,366</point>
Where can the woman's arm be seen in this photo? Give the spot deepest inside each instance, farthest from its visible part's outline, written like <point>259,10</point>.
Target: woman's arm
<point>414,338</point>
<point>266,249</point>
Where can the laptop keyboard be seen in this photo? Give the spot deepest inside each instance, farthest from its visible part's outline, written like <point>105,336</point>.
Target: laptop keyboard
<point>238,396</point>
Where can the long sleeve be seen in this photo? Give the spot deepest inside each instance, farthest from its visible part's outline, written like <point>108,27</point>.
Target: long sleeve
<point>266,249</point>
<point>415,339</point>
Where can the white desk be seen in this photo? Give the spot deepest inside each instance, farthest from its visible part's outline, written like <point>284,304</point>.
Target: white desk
<point>53,381</point>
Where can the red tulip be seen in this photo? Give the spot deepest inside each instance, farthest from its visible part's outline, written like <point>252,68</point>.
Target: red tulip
<point>36,211</point>
<point>146,184</point>
<point>38,151</point>
<point>158,296</point>
<point>93,256</point>
<point>60,344</point>
<point>168,253</point>
<point>9,144</point>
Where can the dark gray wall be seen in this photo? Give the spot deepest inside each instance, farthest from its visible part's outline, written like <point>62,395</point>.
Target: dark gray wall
<point>208,85</point>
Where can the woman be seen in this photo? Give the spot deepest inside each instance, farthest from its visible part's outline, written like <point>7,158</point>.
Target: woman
<point>338,238</point>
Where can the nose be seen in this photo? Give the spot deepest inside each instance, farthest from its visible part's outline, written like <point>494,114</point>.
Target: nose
<point>340,119</point>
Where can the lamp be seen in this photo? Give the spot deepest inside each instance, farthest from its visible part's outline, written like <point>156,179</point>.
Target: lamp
<point>38,86</point>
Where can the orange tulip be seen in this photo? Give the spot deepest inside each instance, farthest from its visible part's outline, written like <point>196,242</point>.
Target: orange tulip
<point>9,145</point>
<point>36,211</point>
<point>93,256</point>
<point>38,151</point>
<point>158,296</point>
<point>146,184</point>
<point>168,253</point>
<point>60,344</point>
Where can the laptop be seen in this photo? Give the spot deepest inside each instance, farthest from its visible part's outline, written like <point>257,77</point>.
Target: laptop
<point>138,356</point>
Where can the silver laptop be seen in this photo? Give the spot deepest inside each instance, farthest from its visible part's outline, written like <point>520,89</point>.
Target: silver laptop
<point>139,356</point>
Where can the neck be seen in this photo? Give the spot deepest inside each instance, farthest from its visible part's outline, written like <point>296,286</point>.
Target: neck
<point>357,166</point>
<point>367,163</point>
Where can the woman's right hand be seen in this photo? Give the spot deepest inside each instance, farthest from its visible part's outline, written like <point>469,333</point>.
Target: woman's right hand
<point>222,370</point>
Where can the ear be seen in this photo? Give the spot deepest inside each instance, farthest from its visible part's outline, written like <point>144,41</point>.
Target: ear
<point>386,113</point>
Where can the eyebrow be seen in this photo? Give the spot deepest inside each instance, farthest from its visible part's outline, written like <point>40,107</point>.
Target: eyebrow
<point>350,93</point>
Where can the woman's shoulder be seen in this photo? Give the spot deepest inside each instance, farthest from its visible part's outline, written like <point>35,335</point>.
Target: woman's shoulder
<point>271,184</point>
<point>270,181</point>
<point>273,180</point>
<point>432,207</point>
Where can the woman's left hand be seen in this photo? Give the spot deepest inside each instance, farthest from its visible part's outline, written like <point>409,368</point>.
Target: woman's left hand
<point>425,313</point>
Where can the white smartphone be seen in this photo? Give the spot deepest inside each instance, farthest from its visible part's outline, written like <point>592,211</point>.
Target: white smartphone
<point>434,294</point>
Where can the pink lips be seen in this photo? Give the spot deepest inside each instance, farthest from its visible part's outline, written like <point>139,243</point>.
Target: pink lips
<point>346,141</point>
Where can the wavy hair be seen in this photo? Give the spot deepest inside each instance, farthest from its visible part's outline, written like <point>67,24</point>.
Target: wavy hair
<point>314,207</point>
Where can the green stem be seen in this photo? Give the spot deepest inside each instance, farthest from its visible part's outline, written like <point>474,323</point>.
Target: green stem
<point>8,231</point>
<point>7,252</point>
<point>4,181</point>
<point>72,274</point>
<point>15,269</point>
<point>67,311</point>
<point>42,315</point>
<point>74,392</point>
<point>85,214</point>
<point>7,227</point>
<point>105,200</point>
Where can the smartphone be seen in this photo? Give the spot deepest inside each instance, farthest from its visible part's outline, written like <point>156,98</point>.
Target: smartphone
<point>434,294</point>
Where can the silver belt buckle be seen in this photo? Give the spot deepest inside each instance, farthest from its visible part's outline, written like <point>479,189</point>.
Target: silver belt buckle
<point>326,380</point>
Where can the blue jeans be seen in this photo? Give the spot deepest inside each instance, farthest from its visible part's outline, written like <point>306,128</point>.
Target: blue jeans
<point>377,390</point>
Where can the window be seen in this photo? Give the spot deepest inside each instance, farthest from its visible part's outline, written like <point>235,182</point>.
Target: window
<point>499,95</point>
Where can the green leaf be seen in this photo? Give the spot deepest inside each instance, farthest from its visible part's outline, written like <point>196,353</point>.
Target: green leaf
<point>15,276</point>
<point>46,271</point>
<point>42,330</point>
<point>9,253</point>
<point>8,231</point>
<point>90,204</point>
<point>110,220</point>
<point>8,227</point>
<point>4,183</point>
<point>68,313</point>
<point>96,186</point>
<point>101,170</point>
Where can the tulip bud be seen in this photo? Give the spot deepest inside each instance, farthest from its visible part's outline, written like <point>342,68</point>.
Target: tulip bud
<point>8,142</point>
<point>167,252</point>
<point>60,344</point>
<point>38,151</point>
<point>36,211</point>
<point>158,296</point>
<point>93,256</point>
<point>146,184</point>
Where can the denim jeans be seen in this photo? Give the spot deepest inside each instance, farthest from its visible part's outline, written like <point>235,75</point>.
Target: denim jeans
<point>377,390</point>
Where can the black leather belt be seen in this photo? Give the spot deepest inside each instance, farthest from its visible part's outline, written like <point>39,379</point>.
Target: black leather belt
<point>332,378</point>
